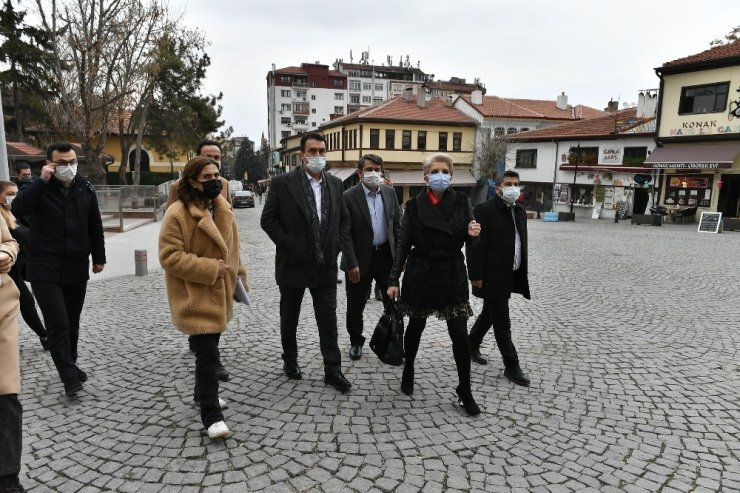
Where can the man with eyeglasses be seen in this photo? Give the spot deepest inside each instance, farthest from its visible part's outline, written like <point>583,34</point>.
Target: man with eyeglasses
<point>67,230</point>
<point>211,149</point>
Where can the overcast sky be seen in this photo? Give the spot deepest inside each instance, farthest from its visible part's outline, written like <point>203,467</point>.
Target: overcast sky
<point>593,50</point>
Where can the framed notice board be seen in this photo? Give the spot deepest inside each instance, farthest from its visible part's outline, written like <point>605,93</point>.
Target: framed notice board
<point>709,222</point>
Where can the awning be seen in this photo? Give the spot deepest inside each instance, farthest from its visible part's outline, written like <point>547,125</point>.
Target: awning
<point>703,156</point>
<point>405,177</point>
<point>342,173</point>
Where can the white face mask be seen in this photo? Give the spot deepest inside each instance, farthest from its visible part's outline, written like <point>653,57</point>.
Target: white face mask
<point>66,173</point>
<point>510,194</point>
<point>9,199</point>
<point>372,179</point>
<point>315,164</point>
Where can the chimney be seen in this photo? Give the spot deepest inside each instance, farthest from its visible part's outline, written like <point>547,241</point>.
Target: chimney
<point>651,105</point>
<point>421,97</point>
<point>408,94</point>
<point>612,106</point>
<point>640,105</point>
<point>562,103</point>
<point>450,100</point>
<point>477,97</point>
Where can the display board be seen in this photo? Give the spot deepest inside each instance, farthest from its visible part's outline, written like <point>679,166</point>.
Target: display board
<point>597,210</point>
<point>709,222</point>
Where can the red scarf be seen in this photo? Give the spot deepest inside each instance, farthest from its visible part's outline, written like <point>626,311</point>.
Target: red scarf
<point>432,198</point>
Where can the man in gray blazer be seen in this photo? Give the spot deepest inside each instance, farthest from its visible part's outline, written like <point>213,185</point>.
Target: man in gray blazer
<point>376,223</point>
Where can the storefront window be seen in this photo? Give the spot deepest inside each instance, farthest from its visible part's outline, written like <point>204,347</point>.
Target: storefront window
<point>688,190</point>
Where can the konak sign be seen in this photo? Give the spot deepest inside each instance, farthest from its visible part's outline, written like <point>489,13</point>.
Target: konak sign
<point>706,127</point>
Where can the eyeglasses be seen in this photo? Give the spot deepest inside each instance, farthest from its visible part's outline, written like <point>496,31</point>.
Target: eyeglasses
<point>443,171</point>
<point>64,163</point>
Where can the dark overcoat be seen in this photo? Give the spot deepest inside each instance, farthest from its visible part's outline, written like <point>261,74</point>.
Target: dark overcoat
<point>286,220</point>
<point>67,230</point>
<point>491,259</point>
<point>432,237</point>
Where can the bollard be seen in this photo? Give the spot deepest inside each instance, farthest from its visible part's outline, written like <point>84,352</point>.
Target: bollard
<point>140,262</point>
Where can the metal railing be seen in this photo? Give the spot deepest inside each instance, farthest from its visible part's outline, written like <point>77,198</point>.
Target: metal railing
<point>131,201</point>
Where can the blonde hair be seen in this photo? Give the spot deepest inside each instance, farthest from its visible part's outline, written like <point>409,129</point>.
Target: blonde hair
<point>4,209</point>
<point>439,157</point>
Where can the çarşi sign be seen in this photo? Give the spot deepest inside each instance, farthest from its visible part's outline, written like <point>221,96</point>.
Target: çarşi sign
<point>709,222</point>
<point>688,165</point>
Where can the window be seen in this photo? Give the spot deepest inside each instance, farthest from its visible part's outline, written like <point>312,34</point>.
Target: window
<point>293,160</point>
<point>313,124</point>
<point>634,155</point>
<point>338,83</point>
<point>354,139</point>
<point>457,141</point>
<point>313,97</point>
<point>285,121</point>
<point>374,138</point>
<point>338,96</point>
<point>510,130</point>
<point>526,158</point>
<point>443,141</point>
<point>421,140</point>
<point>300,94</point>
<point>390,139</point>
<point>588,155</point>
<point>378,87</point>
<point>710,98</point>
<point>378,100</point>
<point>285,78</point>
<point>313,110</point>
<point>301,108</point>
<point>498,131</point>
<point>525,129</point>
<point>285,107</point>
<point>366,86</point>
<point>355,85</point>
<point>285,93</point>
<point>406,140</point>
<point>354,99</point>
<point>339,110</point>
<point>301,122</point>
<point>285,133</point>
<point>366,100</point>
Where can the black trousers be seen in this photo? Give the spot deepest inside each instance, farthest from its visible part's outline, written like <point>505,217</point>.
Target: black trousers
<point>379,270</point>
<point>61,304</point>
<point>206,381</point>
<point>11,420</point>
<point>496,313</point>
<point>324,307</point>
<point>458,330</point>
<point>28,304</point>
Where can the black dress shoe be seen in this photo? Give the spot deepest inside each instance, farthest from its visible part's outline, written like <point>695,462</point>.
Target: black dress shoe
<point>378,294</point>
<point>72,387</point>
<point>335,378</point>
<point>11,484</point>
<point>355,351</point>
<point>292,370</point>
<point>221,372</point>
<point>81,375</point>
<point>476,356</point>
<point>44,342</point>
<point>465,399</point>
<point>516,375</point>
<point>407,380</point>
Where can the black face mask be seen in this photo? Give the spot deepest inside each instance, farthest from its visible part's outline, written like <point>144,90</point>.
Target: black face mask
<point>212,188</point>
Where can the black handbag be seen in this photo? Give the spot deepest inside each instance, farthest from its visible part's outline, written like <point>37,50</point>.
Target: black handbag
<point>387,340</point>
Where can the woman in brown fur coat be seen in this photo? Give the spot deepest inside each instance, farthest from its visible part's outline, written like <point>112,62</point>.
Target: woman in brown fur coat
<point>199,251</point>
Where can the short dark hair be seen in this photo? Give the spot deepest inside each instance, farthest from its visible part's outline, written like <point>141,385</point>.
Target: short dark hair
<point>59,147</point>
<point>204,143</point>
<point>370,157</point>
<point>311,136</point>
<point>510,173</point>
<point>21,166</point>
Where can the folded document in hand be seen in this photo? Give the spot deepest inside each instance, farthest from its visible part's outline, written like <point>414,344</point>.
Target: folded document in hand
<point>240,293</point>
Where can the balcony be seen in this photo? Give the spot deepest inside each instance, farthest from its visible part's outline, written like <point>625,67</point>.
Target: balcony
<point>300,125</point>
<point>301,109</point>
<point>298,83</point>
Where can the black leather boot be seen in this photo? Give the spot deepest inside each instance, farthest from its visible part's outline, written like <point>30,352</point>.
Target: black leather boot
<point>465,399</point>
<point>407,380</point>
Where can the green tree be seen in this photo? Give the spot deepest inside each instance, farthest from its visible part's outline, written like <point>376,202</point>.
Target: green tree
<point>25,84</point>
<point>245,160</point>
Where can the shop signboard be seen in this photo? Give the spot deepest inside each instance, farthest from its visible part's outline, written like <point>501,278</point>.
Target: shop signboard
<point>610,155</point>
<point>597,210</point>
<point>609,198</point>
<point>709,222</point>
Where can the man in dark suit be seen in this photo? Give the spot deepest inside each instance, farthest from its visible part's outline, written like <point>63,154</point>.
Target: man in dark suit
<point>306,218</point>
<point>376,222</point>
<point>497,267</point>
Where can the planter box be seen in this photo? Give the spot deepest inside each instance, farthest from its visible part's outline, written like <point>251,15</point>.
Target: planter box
<point>651,219</point>
<point>530,214</point>
<point>550,217</point>
<point>731,224</point>
<point>566,216</point>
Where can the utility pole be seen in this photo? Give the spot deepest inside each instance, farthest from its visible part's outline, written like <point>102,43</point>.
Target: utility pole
<point>575,176</point>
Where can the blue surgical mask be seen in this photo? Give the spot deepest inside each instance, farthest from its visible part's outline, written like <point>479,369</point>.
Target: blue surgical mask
<point>439,182</point>
<point>510,194</point>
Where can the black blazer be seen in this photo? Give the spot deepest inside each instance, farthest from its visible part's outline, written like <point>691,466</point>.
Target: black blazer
<point>285,219</point>
<point>491,259</point>
<point>67,230</point>
<point>361,250</point>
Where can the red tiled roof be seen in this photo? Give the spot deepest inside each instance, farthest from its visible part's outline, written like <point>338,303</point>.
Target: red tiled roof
<point>617,123</point>
<point>291,70</point>
<point>435,111</point>
<point>731,50</point>
<point>22,149</point>
<point>495,106</point>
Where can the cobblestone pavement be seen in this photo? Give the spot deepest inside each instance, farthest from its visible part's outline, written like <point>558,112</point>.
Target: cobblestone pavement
<point>631,342</point>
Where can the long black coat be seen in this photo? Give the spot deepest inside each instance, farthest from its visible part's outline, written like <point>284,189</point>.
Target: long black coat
<point>286,221</point>
<point>491,259</point>
<point>432,237</point>
<point>67,230</point>
<point>362,226</point>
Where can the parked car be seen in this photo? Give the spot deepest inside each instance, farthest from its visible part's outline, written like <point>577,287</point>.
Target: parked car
<point>243,198</point>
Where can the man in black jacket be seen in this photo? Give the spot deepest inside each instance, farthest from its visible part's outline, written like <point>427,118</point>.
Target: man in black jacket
<point>67,230</point>
<point>376,222</point>
<point>307,220</point>
<point>497,267</point>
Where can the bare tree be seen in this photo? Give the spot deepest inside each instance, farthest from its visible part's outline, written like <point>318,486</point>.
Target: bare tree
<point>729,38</point>
<point>490,152</point>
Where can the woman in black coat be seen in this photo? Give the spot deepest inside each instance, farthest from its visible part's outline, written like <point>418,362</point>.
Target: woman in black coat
<point>436,225</point>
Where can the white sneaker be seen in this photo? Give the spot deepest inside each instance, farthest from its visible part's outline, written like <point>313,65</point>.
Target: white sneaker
<point>218,430</point>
